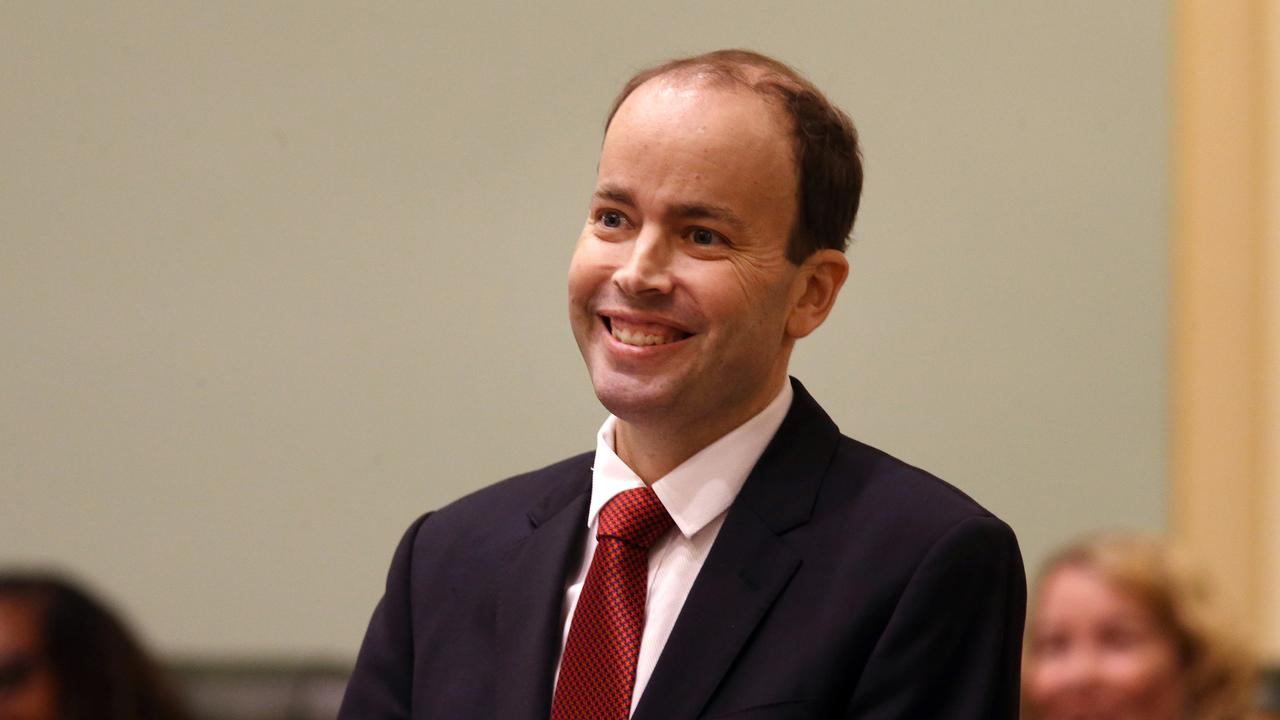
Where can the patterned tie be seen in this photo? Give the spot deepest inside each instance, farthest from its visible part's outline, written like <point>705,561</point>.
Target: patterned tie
<point>598,670</point>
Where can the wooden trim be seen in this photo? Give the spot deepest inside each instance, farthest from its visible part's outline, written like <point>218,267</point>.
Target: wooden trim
<point>1220,492</point>
<point>1269,139</point>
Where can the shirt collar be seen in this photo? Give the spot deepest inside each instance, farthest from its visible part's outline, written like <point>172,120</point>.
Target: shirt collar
<point>701,488</point>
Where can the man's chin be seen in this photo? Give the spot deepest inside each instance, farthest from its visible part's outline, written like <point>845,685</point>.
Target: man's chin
<point>634,399</point>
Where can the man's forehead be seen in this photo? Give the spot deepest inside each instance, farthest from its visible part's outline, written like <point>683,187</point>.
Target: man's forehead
<point>682,88</point>
<point>676,87</point>
<point>688,105</point>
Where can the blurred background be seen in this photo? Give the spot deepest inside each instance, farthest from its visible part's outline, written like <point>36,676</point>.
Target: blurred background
<point>276,278</point>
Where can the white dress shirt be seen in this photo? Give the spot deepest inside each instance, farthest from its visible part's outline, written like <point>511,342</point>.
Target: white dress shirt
<point>697,495</point>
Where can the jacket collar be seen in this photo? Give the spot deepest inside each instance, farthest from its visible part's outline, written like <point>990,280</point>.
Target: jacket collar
<point>531,595</point>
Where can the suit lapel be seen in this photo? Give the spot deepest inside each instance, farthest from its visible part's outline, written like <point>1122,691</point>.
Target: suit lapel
<point>745,571</point>
<point>531,596</point>
<point>748,566</point>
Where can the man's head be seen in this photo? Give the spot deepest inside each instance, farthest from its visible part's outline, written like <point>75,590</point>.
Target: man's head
<point>706,251</point>
<point>824,141</point>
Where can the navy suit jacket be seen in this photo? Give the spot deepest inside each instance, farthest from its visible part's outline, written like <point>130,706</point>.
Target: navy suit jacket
<point>843,584</point>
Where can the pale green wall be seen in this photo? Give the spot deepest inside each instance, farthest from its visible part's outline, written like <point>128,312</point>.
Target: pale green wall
<point>277,277</point>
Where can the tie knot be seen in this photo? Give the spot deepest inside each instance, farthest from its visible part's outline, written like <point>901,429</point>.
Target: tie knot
<point>635,517</point>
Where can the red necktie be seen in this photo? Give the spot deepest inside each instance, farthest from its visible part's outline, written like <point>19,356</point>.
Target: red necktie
<point>598,670</point>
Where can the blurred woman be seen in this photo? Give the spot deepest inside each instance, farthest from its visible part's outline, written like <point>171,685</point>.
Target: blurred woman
<point>1120,629</point>
<point>64,656</point>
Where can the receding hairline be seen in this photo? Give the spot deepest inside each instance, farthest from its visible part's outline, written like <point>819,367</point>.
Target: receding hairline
<point>721,70</point>
<point>705,83</point>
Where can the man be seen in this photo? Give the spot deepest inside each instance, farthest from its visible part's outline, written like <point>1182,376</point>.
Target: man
<point>725,552</point>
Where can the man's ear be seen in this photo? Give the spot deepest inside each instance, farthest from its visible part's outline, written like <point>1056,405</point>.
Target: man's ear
<point>821,276</point>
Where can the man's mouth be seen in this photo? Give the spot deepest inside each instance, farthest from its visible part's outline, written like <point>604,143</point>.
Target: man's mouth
<point>642,334</point>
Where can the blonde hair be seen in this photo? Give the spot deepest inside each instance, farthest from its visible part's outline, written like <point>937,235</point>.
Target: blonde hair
<point>1219,669</point>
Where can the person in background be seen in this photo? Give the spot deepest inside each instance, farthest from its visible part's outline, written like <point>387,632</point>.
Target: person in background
<point>1122,627</point>
<point>65,656</point>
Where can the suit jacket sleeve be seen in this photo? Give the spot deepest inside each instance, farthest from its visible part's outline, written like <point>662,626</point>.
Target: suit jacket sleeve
<point>952,648</point>
<point>381,684</point>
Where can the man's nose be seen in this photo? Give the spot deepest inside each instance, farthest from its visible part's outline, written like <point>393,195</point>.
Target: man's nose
<point>647,269</point>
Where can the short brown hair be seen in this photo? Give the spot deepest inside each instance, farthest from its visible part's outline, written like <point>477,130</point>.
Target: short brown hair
<point>825,143</point>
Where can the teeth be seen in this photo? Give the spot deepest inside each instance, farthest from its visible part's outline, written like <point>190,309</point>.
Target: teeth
<point>629,336</point>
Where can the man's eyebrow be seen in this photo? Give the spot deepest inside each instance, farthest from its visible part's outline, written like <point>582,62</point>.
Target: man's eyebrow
<point>683,211</point>
<point>616,194</point>
<point>699,211</point>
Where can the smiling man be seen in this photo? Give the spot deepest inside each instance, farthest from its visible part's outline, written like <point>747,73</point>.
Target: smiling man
<point>724,552</point>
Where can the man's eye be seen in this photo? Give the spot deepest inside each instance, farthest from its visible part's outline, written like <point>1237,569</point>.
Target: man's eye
<point>611,219</point>
<point>702,236</point>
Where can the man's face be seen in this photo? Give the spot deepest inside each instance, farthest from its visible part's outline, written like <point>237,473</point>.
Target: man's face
<point>680,288</point>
